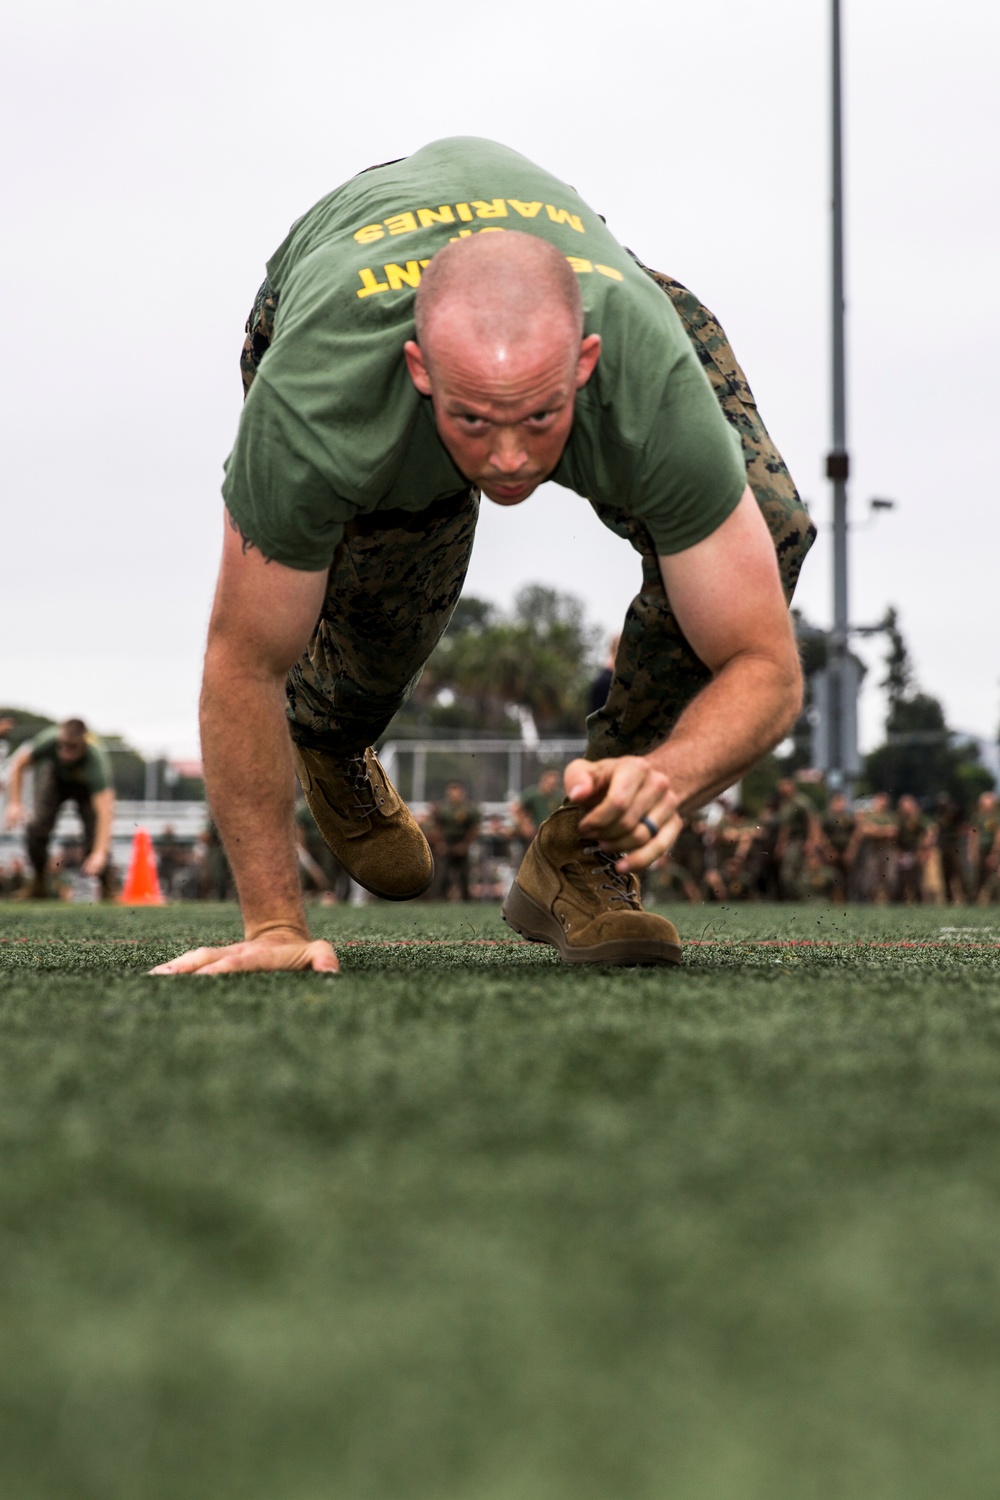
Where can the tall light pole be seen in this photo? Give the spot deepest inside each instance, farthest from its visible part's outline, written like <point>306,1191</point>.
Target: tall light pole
<point>842,751</point>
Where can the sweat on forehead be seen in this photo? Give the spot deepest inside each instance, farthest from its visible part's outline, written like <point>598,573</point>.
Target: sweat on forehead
<point>501,285</point>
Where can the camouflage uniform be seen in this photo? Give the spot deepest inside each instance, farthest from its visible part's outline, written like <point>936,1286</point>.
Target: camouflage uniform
<point>838,831</point>
<point>949,821</point>
<point>985,848</point>
<point>795,818</point>
<point>396,577</point>
<point>51,791</point>
<point>911,834</point>
<point>451,829</point>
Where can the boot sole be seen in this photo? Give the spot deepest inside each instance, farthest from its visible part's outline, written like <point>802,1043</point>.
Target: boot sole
<point>540,926</point>
<point>394,895</point>
<point>340,848</point>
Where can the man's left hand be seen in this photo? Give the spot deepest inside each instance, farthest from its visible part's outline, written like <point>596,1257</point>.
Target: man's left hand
<point>618,794</point>
<point>94,863</point>
<point>278,949</point>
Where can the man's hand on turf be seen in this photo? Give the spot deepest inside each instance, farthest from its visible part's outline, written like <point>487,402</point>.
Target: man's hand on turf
<point>617,794</point>
<point>280,948</point>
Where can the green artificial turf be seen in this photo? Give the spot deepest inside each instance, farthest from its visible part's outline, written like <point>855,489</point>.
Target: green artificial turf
<point>466,1224</point>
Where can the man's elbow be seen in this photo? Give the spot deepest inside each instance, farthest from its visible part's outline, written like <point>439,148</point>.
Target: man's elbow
<point>790,694</point>
<point>231,657</point>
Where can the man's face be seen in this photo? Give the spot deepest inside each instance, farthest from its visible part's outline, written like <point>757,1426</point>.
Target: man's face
<point>548,781</point>
<point>70,750</point>
<point>455,791</point>
<point>504,415</point>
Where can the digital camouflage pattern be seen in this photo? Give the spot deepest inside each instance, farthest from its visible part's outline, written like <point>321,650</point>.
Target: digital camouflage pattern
<point>396,578</point>
<point>393,586</point>
<point>259,333</point>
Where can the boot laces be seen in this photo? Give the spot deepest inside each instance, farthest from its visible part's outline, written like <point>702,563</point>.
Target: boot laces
<point>360,783</point>
<point>618,884</point>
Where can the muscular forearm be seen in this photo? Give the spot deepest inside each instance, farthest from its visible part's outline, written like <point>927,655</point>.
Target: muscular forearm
<point>739,716</point>
<point>104,806</point>
<point>15,782</point>
<point>250,785</point>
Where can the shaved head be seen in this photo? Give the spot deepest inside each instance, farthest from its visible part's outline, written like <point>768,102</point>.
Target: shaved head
<point>501,354</point>
<point>502,290</point>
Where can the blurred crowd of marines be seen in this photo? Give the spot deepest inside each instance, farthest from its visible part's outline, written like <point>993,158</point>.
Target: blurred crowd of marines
<point>804,844</point>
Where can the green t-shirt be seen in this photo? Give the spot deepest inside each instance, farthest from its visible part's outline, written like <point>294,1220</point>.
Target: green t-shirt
<point>540,805</point>
<point>838,828</point>
<point>987,825</point>
<point>333,427</point>
<point>92,772</point>
<point>795,815</point>
<point>910,831</point>
<point>456,821</point>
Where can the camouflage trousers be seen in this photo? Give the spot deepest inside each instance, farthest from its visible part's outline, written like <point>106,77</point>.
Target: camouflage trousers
<point>396,577</point>
<point>50,793</point>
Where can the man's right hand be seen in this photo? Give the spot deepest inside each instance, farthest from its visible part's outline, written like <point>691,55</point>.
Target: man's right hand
<point>280,949</point>
<point>261,621</point>
<point>14,815</point>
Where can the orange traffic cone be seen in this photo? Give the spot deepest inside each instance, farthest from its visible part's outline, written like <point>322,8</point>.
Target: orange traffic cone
<point>142,884</point>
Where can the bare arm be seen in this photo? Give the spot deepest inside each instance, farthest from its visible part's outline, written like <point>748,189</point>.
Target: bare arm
<point>727,596</point>
<point>262,618</point>
<point>104,806</point>
<point>14,813</point>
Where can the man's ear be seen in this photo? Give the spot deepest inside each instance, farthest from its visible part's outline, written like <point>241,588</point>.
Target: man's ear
<point>416,366</point>
<point>590,353</point>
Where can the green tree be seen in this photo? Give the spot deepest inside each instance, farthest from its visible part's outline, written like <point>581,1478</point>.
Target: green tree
<point>25,726</point>
<point>490,665</point>
<point>921,755</point>
<point>898,679</point>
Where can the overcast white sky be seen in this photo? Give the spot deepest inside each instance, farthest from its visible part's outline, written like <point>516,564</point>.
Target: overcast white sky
<point>157,152</point>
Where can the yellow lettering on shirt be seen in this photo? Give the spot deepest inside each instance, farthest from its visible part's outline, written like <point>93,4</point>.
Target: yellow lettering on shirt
<point>466,234</point>
<point>563,216</point>
<point>429,216</point>
<point>401,223</point>
<point>369,285</point>
<point>398,277</point>
<point>464,212</point>
<point>609,271</point>
<point>579,265</point>
<point>496,208</point>
<point>370,233</point>
<point>526,210</point>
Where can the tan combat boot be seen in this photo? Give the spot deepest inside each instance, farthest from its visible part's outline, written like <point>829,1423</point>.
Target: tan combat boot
<point>568,893</point>
<point>365,823</point>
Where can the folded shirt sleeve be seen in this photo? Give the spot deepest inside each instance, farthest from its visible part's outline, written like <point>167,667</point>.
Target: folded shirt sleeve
<point>273,490</point>
<point>691,474</point>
